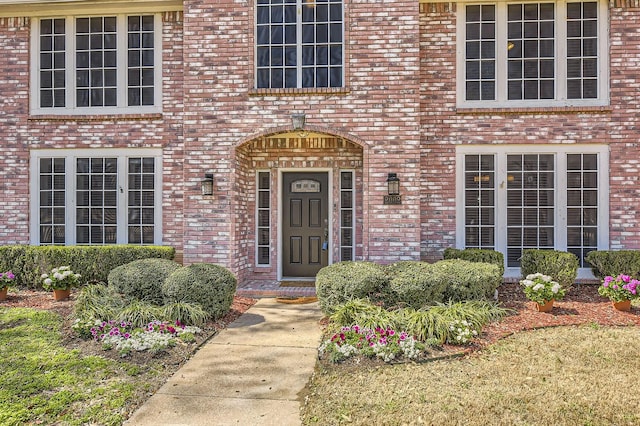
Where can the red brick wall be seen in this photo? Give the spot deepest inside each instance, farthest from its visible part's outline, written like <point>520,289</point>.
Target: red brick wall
<point>443,127</point>
<point>20,133</point>
<point>379,110</point>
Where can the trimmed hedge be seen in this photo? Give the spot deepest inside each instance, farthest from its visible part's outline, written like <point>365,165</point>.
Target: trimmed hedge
<point>210,286</point>
<point>92,262</point>
<point>338,283</point>
<point>560,265</point>
<point>142,279</point>
<point>613,263</point>
<point>412,284</point>
<point>465,280</point>
<point>476,255</point>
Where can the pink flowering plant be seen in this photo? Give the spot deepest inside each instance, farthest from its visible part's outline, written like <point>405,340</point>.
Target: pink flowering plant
<point>620,288</point>
<point>6,279</point>
<point>386,344</point>
<point>542,288</point>
<point>125,338</point>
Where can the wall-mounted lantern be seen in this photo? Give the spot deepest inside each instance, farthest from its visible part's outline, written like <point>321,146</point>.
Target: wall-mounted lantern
<point>297,122</point>
<point>393,184</point>
<point>206,184</point>
<point>393,190</point>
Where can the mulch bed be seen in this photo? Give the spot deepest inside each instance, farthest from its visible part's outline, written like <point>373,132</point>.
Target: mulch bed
<point>581,305</point>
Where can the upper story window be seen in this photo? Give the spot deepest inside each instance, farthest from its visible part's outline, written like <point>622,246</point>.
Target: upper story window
<point>299,43</point>
<point>96,65</point>
<point>533,54</point>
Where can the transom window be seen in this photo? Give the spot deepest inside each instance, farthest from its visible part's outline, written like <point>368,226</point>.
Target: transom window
<point>514,199</point>
<point>102,64</point>
<point>527,54</point>
<point>299,43</point>
<point>96,197</point>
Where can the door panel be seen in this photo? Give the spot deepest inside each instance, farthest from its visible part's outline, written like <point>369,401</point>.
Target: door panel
<point>304,223</point>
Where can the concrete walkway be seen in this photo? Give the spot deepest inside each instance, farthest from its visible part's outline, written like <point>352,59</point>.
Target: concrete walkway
<point>249,374</point>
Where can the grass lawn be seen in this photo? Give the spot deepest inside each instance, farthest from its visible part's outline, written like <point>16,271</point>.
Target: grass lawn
<point>578,375</point>
<point>42,382</point>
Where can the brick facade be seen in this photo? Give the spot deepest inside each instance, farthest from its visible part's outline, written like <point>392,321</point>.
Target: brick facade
<point>397,113</point>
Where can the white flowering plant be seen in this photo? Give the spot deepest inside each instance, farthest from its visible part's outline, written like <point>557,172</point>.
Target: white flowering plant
<point>125,338</point>
<point>461,332</point>
<point>386,344</point>
<point>60,278</point>
<point>542,288</point>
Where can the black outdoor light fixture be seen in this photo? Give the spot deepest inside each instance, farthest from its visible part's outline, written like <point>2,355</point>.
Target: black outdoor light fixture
<point>393,190</point>
<point>393,184</point>
<point>206,184</point>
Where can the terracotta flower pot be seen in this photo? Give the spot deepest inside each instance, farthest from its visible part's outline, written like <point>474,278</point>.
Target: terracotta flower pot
<point>624,305</point>
<point>61,294</point>
<point>545,307</point>
<point>3,293</point>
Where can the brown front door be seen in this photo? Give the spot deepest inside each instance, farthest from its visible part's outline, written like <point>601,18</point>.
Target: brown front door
<point>305,223</point>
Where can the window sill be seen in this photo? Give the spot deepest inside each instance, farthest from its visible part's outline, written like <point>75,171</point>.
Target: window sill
<point>95,117</point>
<point>535,110</point>
<point>301,91</point>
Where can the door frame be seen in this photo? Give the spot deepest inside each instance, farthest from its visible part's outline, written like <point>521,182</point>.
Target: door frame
<point>330,207</point>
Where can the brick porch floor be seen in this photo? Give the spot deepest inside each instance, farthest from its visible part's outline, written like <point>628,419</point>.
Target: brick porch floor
<point>259,289</point>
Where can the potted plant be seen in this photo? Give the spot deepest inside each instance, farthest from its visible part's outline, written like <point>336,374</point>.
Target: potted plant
<point>6,278</point>
<point>620,290</point>
<point>543,290</point>
<point>60,280</point>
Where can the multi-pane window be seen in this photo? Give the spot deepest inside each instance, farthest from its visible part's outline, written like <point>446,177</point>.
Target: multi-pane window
<point>299,43</point>
<point>52,200</point>
<point>582,205</point>
<point>142,200</point>
<point>533,198</point>
<point>96,197</point>
<point>263,215</point>
<point>582,50</point>
<point>480,61</point>
<point>103,64</point>
<point>479,201</point>
<point>530,51</point>
<point>347,209</point>
<point>521,54</point>
<point>96,200</point>
<point>530,204</point>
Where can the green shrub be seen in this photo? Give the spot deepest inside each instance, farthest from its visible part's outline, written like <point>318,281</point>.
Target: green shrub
<point>411,284</point>
<point>185,313</point>
<point>210,286</point>
<point>464,280</point>
<point>560,265</point>
<point>92,262</point>
<point>142,279</point>
<point>476,255</point>
<point>338,283</point>
<point>98,301</point>
<point>613,263</point>
<point>140,313</point>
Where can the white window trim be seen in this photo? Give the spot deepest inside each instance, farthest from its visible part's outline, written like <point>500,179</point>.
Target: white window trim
<point>352,207</point>
<point>122,84</point>
<point>257,218</point>
<point>560,71</point>
<point>560,187</point>
<point>122,154</point>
